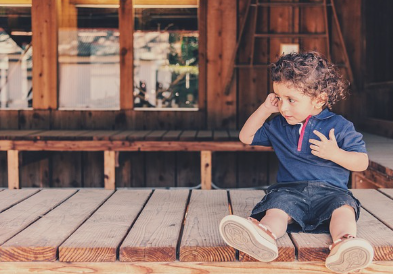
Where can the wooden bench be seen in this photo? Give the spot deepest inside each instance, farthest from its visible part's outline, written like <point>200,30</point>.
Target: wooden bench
<point>161,231</point>
<point>112,142</point>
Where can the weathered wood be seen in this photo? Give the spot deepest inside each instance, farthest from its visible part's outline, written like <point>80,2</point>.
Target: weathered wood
<point>17,218</point>
<point>221,135</point>
<point>202,53</point>
<point>155,135</point>
<point>40,241</point>
<point>188,135</point>
<point>45,29</point>
<point>243,201</point>
<point>128,146</point>
<point>154,236</point>
<point>126,27</point>
<point>184,267</point>
<point>201,240</point>
<point>16,134</point>
<point>98,238</point>
<point>160,169</point>
<point>172,135</point>
<point>13,169</point>
<point>8,198</point>
<point>206,169</point>
<point>388,192</point>
<point>109,169</point>
<point>203,135</point>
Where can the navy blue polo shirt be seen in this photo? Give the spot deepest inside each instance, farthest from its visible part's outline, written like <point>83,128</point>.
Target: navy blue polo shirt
<point>295,165</point>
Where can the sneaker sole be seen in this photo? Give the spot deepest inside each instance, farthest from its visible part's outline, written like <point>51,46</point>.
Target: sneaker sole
<point>242,235</point>
<point>352,255</point>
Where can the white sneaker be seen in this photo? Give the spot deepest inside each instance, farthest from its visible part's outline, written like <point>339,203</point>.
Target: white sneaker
<point>249,236</point>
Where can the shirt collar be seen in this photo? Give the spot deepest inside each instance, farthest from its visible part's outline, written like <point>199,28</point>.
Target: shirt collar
<point>324,114</point>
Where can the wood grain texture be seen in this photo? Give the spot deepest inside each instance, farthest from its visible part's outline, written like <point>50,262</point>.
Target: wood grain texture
<point>388,192</point>
<point>243,201</point>
<point>17,218</point>
<point>154,236</point>
<point>97,240</point>
<point>206,169</point>
<point>201,240</point>
<point>9,198</point>
<point>13,169</point>
<point>109,169</point>
<point>40,241</point>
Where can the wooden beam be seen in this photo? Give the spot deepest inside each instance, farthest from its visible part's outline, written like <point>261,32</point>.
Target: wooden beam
<point>136,2</point>
<point>45,33</point>
<point>13,169</point>
<point>15,2</point>
<point>126,40</point>
<point>206,169</point>
<point>109,169</point>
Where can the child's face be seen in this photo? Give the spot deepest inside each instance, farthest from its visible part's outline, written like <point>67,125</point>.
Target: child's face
<point>294,105</point>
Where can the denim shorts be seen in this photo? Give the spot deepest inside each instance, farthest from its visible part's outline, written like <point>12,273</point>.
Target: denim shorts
<point>309,203</point>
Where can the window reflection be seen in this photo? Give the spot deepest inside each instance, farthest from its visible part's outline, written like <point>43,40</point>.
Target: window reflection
<point>15,58</point>
<point>166,58</point>
<point>89,70</point>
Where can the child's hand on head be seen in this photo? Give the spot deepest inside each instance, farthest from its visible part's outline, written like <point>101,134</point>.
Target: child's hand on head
<point>271,103</point>
<point>325,148</point>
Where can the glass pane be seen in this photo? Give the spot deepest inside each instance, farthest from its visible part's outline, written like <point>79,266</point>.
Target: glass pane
<point>166,58</point>
<point>89,68</point>
<point>15,58</point>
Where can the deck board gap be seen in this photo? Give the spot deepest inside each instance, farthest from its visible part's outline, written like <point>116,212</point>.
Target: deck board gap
<point>182,226</point>
<point>82,223</point>
<point>18,202</point>
<point>132,224</point>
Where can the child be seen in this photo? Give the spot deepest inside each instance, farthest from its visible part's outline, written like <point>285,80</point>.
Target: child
<point>316,149</point>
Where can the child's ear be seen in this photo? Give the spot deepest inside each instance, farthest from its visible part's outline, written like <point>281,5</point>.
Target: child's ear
<point>321,100</point>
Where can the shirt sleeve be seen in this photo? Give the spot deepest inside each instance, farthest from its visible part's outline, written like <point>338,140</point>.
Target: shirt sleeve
<point>352,140</point>
<point>261,137</point>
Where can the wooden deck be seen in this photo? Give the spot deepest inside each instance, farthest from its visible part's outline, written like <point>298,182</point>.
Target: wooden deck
<point>160,231</point>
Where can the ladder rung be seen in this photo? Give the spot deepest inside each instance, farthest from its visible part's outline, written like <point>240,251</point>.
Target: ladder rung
<point>290,35</point>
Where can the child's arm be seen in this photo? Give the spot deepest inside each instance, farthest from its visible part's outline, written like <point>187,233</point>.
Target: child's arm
<point>258,118</point>
<point>329,150</point>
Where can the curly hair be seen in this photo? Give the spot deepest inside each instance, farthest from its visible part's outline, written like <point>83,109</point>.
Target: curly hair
<point>312,74</point>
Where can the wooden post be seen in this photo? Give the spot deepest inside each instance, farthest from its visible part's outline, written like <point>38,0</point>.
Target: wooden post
<point>109,169</point>
<point>206,169</point>
<point>126,29</point>
<point>45,33</point>
<point>13,169</point>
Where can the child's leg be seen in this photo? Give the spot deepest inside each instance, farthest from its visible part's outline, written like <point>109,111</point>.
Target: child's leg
<point>276,220</point>
<point>343,222</point>
<point>347,253</point>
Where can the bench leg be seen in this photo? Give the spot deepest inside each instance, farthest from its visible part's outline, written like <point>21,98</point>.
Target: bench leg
<point>206,169</point>
<point>13,169</point>
<point>109,169</point>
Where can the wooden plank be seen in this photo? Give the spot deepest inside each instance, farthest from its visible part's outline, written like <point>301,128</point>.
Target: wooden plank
<point>184,267</point>
<point>128,146</point>
<point>388,192</point>
<point>13,169</point>
<point>204,135</point>
<point>92,164</point>
<point>155,135</point>
<point>45,42</point>
<point>202,56</point>
<point>160,169</point>
<point>59,135</point>
<point>9,198</point>
<point>122,135</point>
<point>201,240</point>
<point>243,201</point>
<point>126,26</point>
<point>314,247</point>
<point>98,135</point>
<point>206,169</point>
<point>221,135</point>
<point>16,134</point>
<point>98,238</point>
<point>17,218</point>
<point>234,134</point>
<point>138,135</point>
<point>188,169</point>
<point>154,236</point>
<point>377,204</point>
<point>188,135</point>
<point>172,135</point>
<point>40,241</point>
<point>109,169</point>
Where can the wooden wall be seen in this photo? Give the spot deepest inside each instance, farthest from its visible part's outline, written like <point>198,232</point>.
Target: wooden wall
<point>223,109</point>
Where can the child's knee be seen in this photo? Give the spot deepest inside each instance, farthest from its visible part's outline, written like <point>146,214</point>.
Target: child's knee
<point>279,213</point>
<point>345,210</point>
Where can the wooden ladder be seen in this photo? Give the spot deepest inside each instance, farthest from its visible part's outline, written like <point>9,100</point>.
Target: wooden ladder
<point>255,4</point>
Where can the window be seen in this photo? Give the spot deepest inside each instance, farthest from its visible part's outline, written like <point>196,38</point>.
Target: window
<point>89,68</point>
<point>166,42</point>
<point>15,57</point>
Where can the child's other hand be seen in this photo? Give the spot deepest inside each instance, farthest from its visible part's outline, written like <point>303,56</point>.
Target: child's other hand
<point>326,148</point>
<point>271,103</point>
